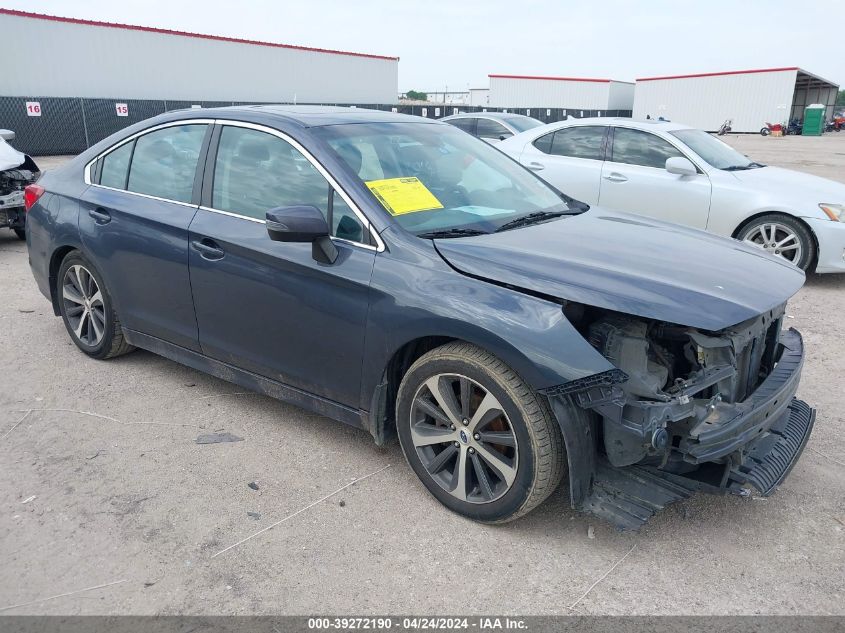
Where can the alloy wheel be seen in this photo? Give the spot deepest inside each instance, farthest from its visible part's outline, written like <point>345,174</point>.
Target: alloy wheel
<point>464,438</point>
<point>83,305</point>
<point>776,239</point>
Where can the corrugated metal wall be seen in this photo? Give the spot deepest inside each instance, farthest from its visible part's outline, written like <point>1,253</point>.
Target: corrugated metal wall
<point>705,102</point>
<point>531,93</point>
<point>63,59</point>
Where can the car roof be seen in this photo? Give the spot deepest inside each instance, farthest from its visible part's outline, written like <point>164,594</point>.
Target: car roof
<point>304,115</point>
<point>639,124</point>
<point>501,116</point>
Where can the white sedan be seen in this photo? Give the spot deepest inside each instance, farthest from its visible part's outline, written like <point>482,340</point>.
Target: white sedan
<point>683,175</point>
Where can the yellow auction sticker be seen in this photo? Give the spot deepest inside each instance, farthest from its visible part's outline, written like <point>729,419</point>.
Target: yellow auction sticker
<point>403,195</point>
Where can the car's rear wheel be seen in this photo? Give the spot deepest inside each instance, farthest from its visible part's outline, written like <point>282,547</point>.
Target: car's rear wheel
<point>479,438</point>
<point>782,236</point>
<point>87,309</point>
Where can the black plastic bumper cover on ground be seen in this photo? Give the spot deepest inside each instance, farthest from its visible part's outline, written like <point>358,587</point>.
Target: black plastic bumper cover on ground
<point>628,497</point>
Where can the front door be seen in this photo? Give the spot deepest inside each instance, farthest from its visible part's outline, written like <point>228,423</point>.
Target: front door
<point>270,307</point>
<point>634,179</point>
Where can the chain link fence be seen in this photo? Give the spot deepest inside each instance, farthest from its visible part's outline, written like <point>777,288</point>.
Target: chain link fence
<point>51,125</point>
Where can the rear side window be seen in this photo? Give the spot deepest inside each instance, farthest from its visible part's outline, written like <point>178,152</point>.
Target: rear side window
<point>466,124</point>
<point>256,172</point>
<point>492,130</point>
<point>580,142</point>
<point>165,162</point>
<point>116,166</point>
<point>544,143</point>
<point>634,147</point>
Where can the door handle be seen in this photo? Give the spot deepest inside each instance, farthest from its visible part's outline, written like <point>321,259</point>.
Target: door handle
<point>208,249</point>
<point>616,177</point>
<point>535,166</point>
<point>101,216</point>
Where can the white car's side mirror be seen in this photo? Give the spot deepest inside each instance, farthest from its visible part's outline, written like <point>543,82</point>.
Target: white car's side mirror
<point>680,166</point>
<point>7,135</point>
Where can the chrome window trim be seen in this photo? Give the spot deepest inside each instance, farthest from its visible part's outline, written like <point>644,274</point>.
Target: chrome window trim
<point>90,163</point>
<point>365,222</point>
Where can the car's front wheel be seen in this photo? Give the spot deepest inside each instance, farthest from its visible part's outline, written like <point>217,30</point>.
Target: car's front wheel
<point>479,438</point>
<point>782,236</point>
<point>87,309</point>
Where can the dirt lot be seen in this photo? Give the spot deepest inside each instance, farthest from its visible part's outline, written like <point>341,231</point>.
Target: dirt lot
<point>123,495</point>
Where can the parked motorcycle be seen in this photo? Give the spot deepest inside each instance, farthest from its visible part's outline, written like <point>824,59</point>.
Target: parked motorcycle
<point>832,126</point>
<point>795,127</point>
<point>726,127</point>
<point>771,127</point>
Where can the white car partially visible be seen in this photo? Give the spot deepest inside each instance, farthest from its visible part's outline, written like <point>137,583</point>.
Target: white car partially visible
<point>683,175</point>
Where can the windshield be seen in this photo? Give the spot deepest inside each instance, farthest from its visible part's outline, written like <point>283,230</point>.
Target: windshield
<point>439,179</point>
<point>716,153</point>
<point>522,123</point>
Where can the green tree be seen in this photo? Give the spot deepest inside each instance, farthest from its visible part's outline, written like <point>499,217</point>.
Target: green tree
<point>840,98</point>
<point>421,96</point>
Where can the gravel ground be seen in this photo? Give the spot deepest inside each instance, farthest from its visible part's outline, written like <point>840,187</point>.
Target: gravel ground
<point>126,495</point>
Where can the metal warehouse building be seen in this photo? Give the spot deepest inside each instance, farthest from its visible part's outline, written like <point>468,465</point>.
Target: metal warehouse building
<point>575,93</point>
<point>67,57</point>
<point>749,98</point>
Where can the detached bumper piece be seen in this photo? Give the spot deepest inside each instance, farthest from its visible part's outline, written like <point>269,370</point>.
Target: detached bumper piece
<point>769,459</point>
<point>629,496</point>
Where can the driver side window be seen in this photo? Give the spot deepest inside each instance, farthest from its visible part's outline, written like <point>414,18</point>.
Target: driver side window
<point>256,171</point>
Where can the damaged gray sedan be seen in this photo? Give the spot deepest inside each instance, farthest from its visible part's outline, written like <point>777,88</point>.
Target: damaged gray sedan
<point>403,277</point>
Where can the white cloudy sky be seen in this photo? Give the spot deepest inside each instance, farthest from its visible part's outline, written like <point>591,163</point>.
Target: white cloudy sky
<point>457,43</point>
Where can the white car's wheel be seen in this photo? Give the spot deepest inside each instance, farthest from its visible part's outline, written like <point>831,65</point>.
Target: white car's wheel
<point>782,236</point>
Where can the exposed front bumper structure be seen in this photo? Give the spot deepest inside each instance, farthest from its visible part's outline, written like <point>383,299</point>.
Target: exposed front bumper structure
<point>736,447</point>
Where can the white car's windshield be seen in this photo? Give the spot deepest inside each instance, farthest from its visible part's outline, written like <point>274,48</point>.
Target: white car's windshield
<point>716,153</point>
<point>438,181</point>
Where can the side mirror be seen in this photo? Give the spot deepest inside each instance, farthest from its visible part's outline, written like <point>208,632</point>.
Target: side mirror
<point>680,166</point>
<point>303,223</point>
<point>7,135</point>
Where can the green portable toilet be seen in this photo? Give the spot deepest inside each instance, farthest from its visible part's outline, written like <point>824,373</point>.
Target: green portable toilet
<point>813,120</point>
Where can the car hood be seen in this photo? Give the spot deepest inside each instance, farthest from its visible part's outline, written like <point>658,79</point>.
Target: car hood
<point>789,184</point>
<point>633,265</point>
<point>9,156</point>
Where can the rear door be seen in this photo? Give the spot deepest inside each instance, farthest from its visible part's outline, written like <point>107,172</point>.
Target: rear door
<point>267,306</point>
<point>134,225</point>
<point>570,159</point>
<point>634,179</point>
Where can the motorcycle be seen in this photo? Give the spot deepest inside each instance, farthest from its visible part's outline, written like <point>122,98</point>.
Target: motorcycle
<point>795,127</point>
<point>771,127</point>
<point>832,126</point>
<point>726,127</point>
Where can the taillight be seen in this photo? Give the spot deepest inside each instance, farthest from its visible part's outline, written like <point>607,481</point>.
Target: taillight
<point>31,195</point>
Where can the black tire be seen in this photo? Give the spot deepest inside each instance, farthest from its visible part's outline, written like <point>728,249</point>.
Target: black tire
<point>765,131</point>
<point>21,233</point>
<point>538,454</point>
<point>112,343</point>
<point>805,237</point>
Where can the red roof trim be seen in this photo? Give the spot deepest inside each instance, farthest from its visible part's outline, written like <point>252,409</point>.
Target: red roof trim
<point>603,81</point>
<point>218,38</point>
<point>730,72</point>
